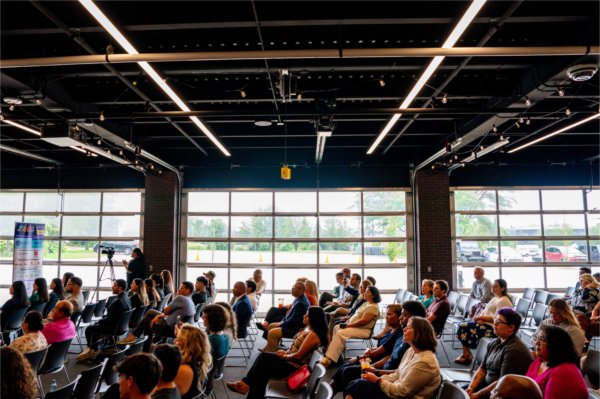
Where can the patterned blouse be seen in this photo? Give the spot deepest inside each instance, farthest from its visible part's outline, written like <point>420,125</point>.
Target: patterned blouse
<point>417,377</point>
<point>31,342</point>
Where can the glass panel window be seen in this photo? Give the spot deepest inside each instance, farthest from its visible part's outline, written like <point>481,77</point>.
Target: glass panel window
<point>327,279</point>
<point>564,225</point>
<point>339,226</point>
<point>385,226</point>
<point>7,224</point>
<point>472,200</point>
<point>594,253</point>
<point>523,277</point>
<point>81,202</point>
<point>475,225</point>
<point>340,253</point>
<point>466,278</point>
<point>241,274</point>
<point>388,279</point>
<point>51,223</point>
<point>251,252</point>
<point>80,250</point>
<point>121,226</point>
<point>208,226</point>
<point>6,249</point>
<point>520,225</point>
<point>295,202</point>
<point>562,200</point>
<point>286,278</point>
<point>252,226</point>
<point>520,251</point>
<point>566,251</point>
<point>385,252</point>
<point>593,200</point>
<point>519,200</point>
<point>296,253</point>
<point>50,250</point>
<point>384,201</point>
<point>122,202</point>
<point>83,226</point>
<point>476,251</point>
<point>11,202</point>
<point>594,224</point>
<point>563,276</point>
<point>339,201</point>
<point>295,227</point>
<point>251,202</point>
<point>207,252</point>
<point>208,202</point>
<point>42,202</point>
<point>120,247</point>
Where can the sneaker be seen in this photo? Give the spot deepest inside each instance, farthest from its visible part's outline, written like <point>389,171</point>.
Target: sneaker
<point>130,339</point>
<point>88,353</point>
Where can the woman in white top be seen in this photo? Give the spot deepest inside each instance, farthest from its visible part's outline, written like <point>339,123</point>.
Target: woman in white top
<point>417,377</point>
<point>358,326</point>
<point>482,325</point>
<point>33,340</point>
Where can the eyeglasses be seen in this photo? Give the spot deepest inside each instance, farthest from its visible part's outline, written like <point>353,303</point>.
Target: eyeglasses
<point>498,321</point>
<point>541,338</point>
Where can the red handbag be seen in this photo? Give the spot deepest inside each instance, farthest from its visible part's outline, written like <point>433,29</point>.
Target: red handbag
<point>298,379</point>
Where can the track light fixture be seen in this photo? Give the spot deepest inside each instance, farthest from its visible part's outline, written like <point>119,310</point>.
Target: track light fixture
<point>445,99</point>
<point>482,151</point>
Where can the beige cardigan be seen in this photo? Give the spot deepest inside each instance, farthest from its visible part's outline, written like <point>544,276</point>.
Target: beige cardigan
<point>417,377</point>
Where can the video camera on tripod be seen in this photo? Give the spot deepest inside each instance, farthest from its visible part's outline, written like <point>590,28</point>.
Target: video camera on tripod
<point>108,251</point>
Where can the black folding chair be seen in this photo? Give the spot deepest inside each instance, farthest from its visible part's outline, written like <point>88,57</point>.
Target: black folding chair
<point>120,329</point>
<point>99,309</point>
<point>65,392</point>
<point>85,320</point>
<point>450,391</point>
<point>135,347</point>
<point>161,305</point>
<point>55,360</point>
<point>88,381</point>
<point>49,306</point>
<point>13,322</point>
<point>137,315</point>
<point>86,296</point>
<point>109,376</point>
<point>36,359</point>
<point>38,307</point>
<point>109,301</point>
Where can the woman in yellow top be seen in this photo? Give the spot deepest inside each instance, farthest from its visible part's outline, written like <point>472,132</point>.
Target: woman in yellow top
<point>359,326</point>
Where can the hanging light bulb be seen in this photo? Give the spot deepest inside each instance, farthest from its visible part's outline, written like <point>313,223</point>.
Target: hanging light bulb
<point>445,99</point>
<point>494,128</point>
<point>455,157</point>
<point>109,151</point>
<point>521,120</point>
<point>12,107</point>
<point>561,92</point>
<point>527,102</point>
<point>102,116</point>
<point>99,142</point>
<point>528,121</point>
<point>568,111</point>
<point>242,93</point>
<point>160,171</point>
<point>381,82</point>
<point>121,152</point>
<point>151,166</point>
<point>38,101</point>
<point>299,96</point>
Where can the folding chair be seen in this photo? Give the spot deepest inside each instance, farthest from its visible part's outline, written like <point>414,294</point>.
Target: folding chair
<point>109,376</point>
<point>99,310</point>
<point>88,381</point>
<point>465,375</point>
<point>37,307</point>
<point>137,315</point>
<point>450,391</point>
<point>591,369</point>
<point>85,320</point>
<point>277,389</point>
<point>65,392</point>
<point>452,298</point>
<point>55,361</point>
<point>324,391</point>
<point>14,319</point>
<point>120,329</point>
<point>36,360</point>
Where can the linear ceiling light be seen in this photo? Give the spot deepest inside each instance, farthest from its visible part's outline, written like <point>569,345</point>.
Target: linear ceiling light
<point>27,154</point>
<point>440,153</point>
<point>322,136</point>
<point>116,34</point>
<point>449,43</point>
<point>559,131</point>
<point>479,154</point>
<point>23,127</point>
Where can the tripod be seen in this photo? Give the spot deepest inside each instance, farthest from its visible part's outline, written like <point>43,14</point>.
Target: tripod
<point>109,262</point>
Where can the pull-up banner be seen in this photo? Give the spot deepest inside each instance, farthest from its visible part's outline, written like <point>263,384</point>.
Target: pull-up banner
<point>28,253</point>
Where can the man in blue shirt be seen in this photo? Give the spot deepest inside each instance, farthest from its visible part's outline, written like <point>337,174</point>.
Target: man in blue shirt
<point>291,323</point>
<point>242,308</point>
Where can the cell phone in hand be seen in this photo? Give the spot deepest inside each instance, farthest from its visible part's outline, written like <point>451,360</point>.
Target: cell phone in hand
<point>343,325</point>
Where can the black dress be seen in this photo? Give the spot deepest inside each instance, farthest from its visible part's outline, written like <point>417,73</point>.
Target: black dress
<point>135,269</point>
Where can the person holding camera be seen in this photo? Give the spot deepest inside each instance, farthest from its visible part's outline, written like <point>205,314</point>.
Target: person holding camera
<point>136,267</point>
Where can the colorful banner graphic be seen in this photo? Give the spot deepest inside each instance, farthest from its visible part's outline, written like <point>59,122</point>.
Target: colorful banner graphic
<point>28,253</point>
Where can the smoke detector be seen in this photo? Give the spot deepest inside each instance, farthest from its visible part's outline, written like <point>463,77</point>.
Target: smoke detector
<point>581,73</point>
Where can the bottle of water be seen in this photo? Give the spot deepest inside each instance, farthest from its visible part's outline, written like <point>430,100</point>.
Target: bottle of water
<point>53,386</point>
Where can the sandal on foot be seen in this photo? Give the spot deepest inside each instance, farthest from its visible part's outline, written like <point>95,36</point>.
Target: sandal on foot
<point>463,360</point>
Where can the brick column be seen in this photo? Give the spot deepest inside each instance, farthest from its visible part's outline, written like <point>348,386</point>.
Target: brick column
<point>434,243</point>
<point>160,212</point>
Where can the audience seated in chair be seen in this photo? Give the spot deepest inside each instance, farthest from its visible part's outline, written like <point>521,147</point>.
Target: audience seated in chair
<point>507,354</point>
<point>33,340</point>
<point>359,326</point>
<point>328,298</point>
<point>139,375</point>
<point>282,363</point>
<point>348,295</point>
<point>107,324</point>
<point>561,315</point>
<point>513,386</point>
<point>291,323</point>
<point>170,359</point>
<point>342,315</point>
<point>242,309</point>
<point>261,283</point>
<point>137,294</point>
<point>195,360</point>
<point>250,293</point>
<point>199,295</point>
<point>438,311</point>
<point>418,375</point>
<point>17,301</point>
<point>482,287</point>
<point>74,294</point>
<point>163,324</point>
<point>40,292</point>
<point>426,298</point>
<point>61,327</point>
<point>215,318</point>
<point>17,378</point>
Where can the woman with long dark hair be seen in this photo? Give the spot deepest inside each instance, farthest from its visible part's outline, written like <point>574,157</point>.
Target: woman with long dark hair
<point>556,366</point>
<point>40,291</point>
<point>283,363</point>
<point>167,282</point>
<point>137,294</point>
<point>57,294</point>
<point>152,293</point>
<point>158,284</point>
<point>17,380</point>
<point>18,301</point>
<point>136,267</point>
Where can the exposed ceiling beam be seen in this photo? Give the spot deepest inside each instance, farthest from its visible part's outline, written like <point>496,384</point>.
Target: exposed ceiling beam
<point>27,154</point>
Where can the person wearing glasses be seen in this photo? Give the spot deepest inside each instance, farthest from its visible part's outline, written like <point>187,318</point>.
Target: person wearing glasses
<point>507,354</point>
<point>556,366</point>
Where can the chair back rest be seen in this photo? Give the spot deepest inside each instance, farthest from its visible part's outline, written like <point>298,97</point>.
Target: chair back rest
<point>523,307</point>
<point>14,319</point>
<point>65,392</point>
<point>55,358</point>
<point>38,307</point>
<point>49,306</point>
<point>316,356</point>
<point>539,313</point>
<point>36,359</point>
<point>122,325</point>
<point>86,296</point>
<point>540,296</point>
<point>162,303</point>
<point>315,376</point>
<point>550,297</point>
<point>528,293</point>
<point>570,291</point>
<point>198,313</point>
<point>75,317</point>
<point>136,347</point>
<point>399,295</point>
<point>449,390</point>
<point>413,297</point>
<point>324,391</point>
<point>88,313</point>
<point>137,315</point>
<point>470,303</point>
<point>110,300</point>
<point>591,369</point>
<point>461,304</point>
<point>406,296</point>
<point>88,381</point>
<point>452,298</point>
<point>482,348</point>
<point>99,308</point>
<point>109,375</point>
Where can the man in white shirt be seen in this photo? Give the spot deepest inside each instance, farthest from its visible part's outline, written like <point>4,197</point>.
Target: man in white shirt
<point>261,284</point>
<point>482,287</point>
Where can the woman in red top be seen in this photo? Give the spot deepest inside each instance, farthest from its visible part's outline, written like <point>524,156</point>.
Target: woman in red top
<point>556,367</point>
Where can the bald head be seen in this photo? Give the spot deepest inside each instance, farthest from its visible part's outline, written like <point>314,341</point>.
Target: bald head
<point>239,288</point>
<point>62,310</point>
<point>298,289</point>
<point>513,386</point>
